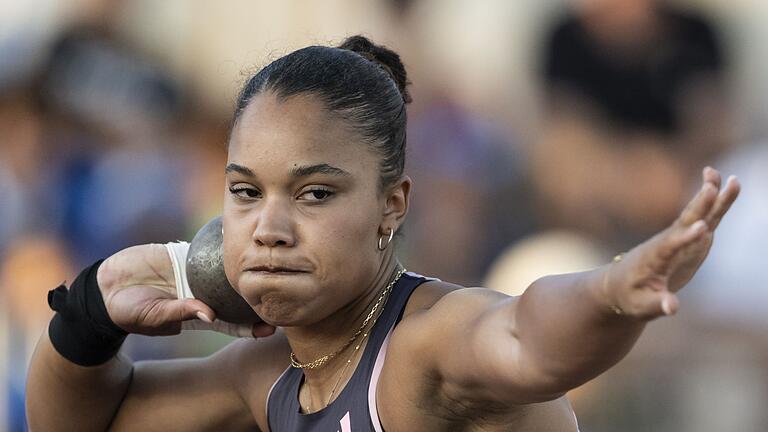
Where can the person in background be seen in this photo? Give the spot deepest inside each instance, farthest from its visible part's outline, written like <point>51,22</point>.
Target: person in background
<point>634,102</point>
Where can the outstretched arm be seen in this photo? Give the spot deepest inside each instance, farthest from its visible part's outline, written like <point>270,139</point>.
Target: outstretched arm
<point>566,329</point>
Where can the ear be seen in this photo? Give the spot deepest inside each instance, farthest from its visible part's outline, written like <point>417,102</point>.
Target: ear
<point>396,204</point>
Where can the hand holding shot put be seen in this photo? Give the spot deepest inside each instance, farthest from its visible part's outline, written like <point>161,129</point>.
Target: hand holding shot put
<point>347,339</point>
<point>160,289</point>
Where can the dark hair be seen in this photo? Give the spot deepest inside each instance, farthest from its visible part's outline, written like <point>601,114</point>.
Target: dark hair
<point>365,84</point>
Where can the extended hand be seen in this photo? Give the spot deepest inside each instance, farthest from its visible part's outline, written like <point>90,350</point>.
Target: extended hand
<point>643,284</point>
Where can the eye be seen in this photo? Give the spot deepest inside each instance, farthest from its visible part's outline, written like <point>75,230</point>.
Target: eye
<point>245,192</point>
<point>316,194</point>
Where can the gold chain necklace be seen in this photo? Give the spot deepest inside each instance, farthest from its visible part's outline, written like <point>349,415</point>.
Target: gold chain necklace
<point>341,375</point>
<point>320,361</point>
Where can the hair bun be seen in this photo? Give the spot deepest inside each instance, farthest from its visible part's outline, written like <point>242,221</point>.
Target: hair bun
<point>384,57</point>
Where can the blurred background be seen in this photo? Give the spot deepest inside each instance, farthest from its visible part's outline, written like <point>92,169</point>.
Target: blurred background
<point>544,137</point>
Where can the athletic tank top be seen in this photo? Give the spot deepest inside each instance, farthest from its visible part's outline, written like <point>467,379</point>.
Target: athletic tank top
<point>354,409</point>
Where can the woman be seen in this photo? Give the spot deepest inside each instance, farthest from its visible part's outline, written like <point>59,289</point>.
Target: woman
<point>315,191</point>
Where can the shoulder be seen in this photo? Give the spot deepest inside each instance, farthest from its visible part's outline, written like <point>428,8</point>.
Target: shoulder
<point>692,28</point>
<point>564,48</point>
<point>436,297</point>
<point>565,28</point>
<point>253,366</point>
<point>687,19</point>
<point>434,329</point>
<point>439,310</point>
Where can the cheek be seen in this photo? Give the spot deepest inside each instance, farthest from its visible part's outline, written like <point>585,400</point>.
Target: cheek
<point>236,241</point>
<point>347,242</point>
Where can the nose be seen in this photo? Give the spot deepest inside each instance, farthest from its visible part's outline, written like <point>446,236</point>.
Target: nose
<point>274,226</point>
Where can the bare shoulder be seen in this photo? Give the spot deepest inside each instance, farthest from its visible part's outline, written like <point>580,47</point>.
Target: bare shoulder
<point>438,300</point>
<point>439,310</point>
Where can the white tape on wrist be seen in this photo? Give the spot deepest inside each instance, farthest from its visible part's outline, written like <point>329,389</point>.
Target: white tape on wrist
<point>178,253</point>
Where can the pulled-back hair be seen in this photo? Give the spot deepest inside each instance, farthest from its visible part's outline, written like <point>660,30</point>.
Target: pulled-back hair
<point>365,84</point>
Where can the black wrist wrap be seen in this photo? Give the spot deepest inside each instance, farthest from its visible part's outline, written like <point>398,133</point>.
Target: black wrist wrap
<point>81,331</point>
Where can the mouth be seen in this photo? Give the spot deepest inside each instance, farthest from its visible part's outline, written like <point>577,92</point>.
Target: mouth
<point>267,270</point>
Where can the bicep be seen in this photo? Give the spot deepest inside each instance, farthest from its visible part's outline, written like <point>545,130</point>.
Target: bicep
<point>185,394</point>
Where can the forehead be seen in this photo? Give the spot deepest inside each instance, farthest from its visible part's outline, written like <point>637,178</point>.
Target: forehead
<point>298,130</point>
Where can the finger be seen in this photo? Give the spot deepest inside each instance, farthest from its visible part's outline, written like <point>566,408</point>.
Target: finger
<point>725,199</point>
<point>236,330</point>
<point>650,304</point>
<point>196,324</point>
<point>669,304</point>
<point>711,175</point>
<point>165,316</point>
<point>262,330</point>
<point>701,204</point>
<point>679,238</point>
<point>188,309</point>
<point>231,329</point>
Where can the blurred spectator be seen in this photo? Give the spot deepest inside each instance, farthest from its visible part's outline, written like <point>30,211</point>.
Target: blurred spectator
<point>111,115</point>
<point>636,62</point>
<point>635,107</point>
<point>91,163</point>
<point>19,169</point>
<point>469,197</point>
<point>32,266</point>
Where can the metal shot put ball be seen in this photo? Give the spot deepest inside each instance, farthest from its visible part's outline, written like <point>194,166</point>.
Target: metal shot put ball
<point>207,280</point>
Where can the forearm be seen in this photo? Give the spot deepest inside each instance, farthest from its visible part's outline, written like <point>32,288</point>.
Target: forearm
<point>64,396</point>
<point>567,329</point>
<point>77,379</point>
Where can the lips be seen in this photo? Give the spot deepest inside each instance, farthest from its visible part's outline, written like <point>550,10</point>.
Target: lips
<point>275,269</point>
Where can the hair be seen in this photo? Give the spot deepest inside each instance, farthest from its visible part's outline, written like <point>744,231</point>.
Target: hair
<point>364,83</point>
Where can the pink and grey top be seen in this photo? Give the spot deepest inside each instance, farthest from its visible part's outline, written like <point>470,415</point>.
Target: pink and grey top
<point>354,409</point>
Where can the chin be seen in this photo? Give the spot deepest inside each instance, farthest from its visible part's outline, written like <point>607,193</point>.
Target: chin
<point>280,310</point>
<point>285,301</point>
<point>275,303</point>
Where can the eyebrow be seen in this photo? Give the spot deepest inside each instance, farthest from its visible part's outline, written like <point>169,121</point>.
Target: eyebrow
<point>239,169</point>
<point>297,171</point>
<point>323,168</point>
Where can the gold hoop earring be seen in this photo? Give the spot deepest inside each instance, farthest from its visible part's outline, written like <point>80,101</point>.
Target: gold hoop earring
<point>381,237</point>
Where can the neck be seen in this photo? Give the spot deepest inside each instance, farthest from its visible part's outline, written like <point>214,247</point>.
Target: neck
<point>324,337</point>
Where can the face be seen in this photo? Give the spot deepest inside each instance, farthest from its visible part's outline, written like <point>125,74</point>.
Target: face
<point>303,211</point>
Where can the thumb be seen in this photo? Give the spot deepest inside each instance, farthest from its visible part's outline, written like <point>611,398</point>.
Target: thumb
<point>669,304</point>
<point>165,316</point>
<point>189,309</point>
<point>650,305</point>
